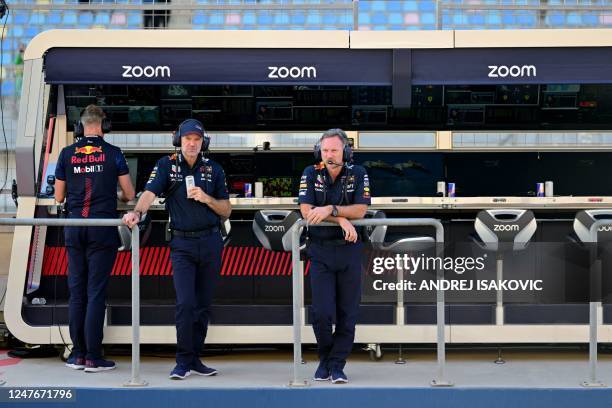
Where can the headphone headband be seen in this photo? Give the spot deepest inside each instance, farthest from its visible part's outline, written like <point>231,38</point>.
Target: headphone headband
<point>79,128</point>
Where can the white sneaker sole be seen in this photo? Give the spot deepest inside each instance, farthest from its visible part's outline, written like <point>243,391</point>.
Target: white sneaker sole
<point>339,381</point>
<point>75,366</point>
<point>322,379</point>
<point>98,369</point>
<point>205,375</point>
<point>178,377</point>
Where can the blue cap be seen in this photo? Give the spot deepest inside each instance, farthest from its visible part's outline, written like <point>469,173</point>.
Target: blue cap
<point>191,126</point>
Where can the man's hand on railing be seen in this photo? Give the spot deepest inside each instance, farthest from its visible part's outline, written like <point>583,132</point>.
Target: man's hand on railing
<point>131,218</point>
<point>350,233</point>
<point>318,214</point>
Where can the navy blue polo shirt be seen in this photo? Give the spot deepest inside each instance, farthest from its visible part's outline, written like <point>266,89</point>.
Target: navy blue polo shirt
<point>91,168</point>
<point>352,186</point>
<point>187,214</point>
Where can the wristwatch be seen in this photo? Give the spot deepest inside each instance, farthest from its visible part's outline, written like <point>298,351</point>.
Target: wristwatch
<point>334,211</point>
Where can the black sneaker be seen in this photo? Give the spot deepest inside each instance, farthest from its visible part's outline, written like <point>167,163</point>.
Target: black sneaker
<point>179,373</point>
<point>338,376</point>
<point>198,368</point>
<point>95,366</point>
<point>322,373</point>
<point>76,363</point>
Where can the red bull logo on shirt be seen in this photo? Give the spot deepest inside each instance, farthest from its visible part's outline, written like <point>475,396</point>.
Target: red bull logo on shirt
<point>87,159</point>
<point>87,150</point>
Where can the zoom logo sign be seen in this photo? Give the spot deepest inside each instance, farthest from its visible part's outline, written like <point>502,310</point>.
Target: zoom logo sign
<point>136,71</point>
<point>515,71</point>
<point>505,227</point>
<point>275,228</point>
<point>291,72</point>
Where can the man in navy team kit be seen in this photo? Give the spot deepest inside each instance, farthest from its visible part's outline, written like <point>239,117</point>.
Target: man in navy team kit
<point>334,190</point>
<point>196,245</point>
<point>86,175</point>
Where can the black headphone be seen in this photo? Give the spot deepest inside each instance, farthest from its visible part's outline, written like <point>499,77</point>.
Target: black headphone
<point>176,137</point>
<point>79,129</point>
<point>347,150</point>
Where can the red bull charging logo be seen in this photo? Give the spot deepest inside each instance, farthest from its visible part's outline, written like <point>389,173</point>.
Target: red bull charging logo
<point>87,150</point>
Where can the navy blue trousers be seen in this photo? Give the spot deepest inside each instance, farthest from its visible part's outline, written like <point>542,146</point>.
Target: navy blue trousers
<point>196,263</point>
<point>91,256</point>
<point>335,277</point>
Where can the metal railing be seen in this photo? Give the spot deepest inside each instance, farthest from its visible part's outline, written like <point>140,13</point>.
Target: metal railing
<point>297,277</point>
<point>297,288</point>
<point>135,380</point>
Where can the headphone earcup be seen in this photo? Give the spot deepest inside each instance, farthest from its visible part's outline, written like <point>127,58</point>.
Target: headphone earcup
<point>347,153</point>
<point>79,131</point>
<point>106,126</point>
<point>205,143</point>
<point>176,138</point>
<point>317,152</point>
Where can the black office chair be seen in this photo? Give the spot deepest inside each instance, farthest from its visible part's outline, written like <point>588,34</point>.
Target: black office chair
<point>502,231</point>
<point>396,243</point>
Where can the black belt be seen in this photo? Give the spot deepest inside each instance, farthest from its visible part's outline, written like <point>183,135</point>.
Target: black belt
<point>195,234</point>
<point>330,242</point>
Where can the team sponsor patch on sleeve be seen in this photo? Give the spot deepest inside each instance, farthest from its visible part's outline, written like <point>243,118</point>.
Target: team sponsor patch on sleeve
<point>303,186</point>
<point>366,186</point>
<point>153,175</point>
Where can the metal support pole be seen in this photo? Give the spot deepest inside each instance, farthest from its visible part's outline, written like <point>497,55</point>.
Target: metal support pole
<point>135,381</point>
<point>399,304</point>
<point>440,380</point>
<point>595,277</point>
<point>399,311</point>
<point>297,277</point>
<point>499,304</point>
<point>592,381</point>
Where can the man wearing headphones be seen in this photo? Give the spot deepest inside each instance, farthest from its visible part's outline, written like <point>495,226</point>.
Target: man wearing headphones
<point>334,190</point>
<point>86,175</point>
<point>196,246</point>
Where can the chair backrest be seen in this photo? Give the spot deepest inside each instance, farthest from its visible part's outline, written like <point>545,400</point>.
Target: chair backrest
<point>586,218</point>
<point>375,235</point>
<point>510,226</point>
<point>273,228</point>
